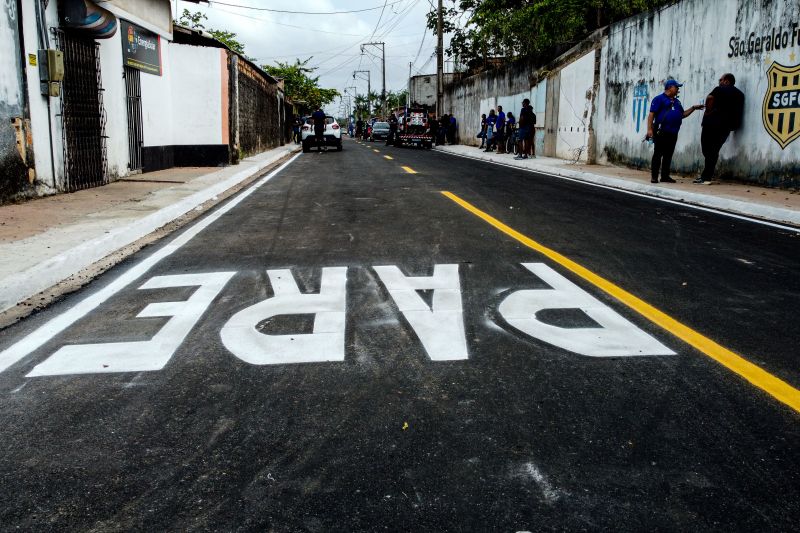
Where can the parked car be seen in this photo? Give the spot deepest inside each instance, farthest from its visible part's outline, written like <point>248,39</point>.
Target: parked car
<point>380,131</point>
<point>333,134</point>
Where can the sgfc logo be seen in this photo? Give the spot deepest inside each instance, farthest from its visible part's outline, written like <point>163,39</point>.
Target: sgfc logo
<point>781,110</point>
<point>640,98</point>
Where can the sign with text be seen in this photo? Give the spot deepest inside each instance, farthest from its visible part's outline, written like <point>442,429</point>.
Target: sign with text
<point>141,48</point>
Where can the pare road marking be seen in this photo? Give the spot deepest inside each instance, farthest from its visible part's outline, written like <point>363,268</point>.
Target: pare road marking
<point>754,374</point>
<point>439,327</point>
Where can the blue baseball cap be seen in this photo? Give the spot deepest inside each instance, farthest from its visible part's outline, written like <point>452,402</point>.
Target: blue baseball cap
<point>672,83</point>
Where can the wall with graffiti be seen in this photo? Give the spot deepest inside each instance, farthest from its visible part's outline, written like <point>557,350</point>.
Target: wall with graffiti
<point>756,40</point>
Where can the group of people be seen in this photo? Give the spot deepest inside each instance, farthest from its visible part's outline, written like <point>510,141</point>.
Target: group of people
<point>502,132</point>
<point>723,107</point>
<point>444,129</point>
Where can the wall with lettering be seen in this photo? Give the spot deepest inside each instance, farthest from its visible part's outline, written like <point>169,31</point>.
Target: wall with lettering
<point>695,43</point>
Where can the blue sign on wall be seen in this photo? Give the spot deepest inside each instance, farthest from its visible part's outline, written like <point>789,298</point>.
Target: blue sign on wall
<point>641,97</point>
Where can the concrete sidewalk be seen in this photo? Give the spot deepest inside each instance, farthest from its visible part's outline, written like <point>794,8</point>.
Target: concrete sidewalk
<point>773,205</point>
<point>46,241</point>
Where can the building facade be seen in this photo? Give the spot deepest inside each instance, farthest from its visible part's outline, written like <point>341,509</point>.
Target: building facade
<point>135,94</point>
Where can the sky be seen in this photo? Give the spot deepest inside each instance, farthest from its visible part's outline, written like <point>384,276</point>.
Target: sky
<point>332,40</point>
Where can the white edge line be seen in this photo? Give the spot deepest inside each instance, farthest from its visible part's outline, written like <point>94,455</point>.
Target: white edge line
<point>56,325</point>
<point>717,211</point>
<point>23,285</point>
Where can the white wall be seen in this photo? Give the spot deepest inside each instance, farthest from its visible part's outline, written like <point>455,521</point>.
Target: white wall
<point>46,158</point>
<point>197,95</point>
<point>157,119</point>
<point>691,42</point>
<point>115,104</point>
<point>575,108</point>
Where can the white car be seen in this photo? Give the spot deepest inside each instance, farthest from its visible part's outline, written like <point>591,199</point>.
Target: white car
<point>333,134</point>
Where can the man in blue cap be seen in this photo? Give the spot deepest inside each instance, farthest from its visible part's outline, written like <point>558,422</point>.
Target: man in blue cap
<point>663,124</point>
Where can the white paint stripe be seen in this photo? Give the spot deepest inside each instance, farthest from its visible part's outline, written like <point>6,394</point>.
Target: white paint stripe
<point>23,285</point>
<point>46,332</point>
<point>634,193</point>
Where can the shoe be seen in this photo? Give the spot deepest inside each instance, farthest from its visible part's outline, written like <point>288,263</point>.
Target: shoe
<point>519,157</point>
<point>653,180</point>
<point>699,180</point>
<point>667,180</point>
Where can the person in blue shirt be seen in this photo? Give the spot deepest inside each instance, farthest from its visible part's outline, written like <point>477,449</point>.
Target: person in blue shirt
<point>491,121</point>
<point>500,135</point>
<point>319,129</point>
<point>663,124</point>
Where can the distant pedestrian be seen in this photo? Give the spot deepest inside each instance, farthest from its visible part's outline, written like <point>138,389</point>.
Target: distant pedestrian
<point>297,125</point>
<point>433,128</point>
<point>482,132</point>
<point>500,129</point>
<point>444,122</point>
<point>526,133</point>
<point>663,124</point>
<point>491,123</point>
<point>511,131</point>
<point>724,109</point>
<point>452,130</point>
<point>319,128</point>
<point>390,139</point>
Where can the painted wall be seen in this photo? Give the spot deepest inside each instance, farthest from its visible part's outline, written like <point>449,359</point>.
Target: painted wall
<point>197,99</point>
<point>13,171</point>
<point>115,103</point>
<point>575,109</point>
<point>696,45</point>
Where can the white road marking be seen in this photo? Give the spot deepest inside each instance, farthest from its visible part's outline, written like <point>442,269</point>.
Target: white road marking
<point>440,328</point>
<point>56,325</point>
<point>142,356</point>
<point>617,337</point>
<point>326,343</point>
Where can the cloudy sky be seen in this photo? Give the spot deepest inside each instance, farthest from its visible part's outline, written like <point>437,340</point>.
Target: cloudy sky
<point>333,40</point>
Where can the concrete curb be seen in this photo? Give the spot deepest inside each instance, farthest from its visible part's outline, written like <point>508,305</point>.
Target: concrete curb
<point>21,286</point>
<point>771,214</point>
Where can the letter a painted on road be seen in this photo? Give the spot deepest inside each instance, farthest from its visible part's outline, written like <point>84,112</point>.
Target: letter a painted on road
<point>326,343</point>
<point>615,337</point>
<point>440,327</point>
<point>144,355</point>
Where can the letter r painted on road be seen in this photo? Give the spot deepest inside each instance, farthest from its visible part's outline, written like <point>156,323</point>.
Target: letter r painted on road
<point>326,343</point>
<point>440,327</point>
<point>142,355</point>
<point>615,337</point>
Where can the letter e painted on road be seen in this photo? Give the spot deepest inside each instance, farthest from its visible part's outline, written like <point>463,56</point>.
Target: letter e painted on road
<point>142,356</point>
<point>615,337</point>
<point>440,327</point>
<point>326,343</point>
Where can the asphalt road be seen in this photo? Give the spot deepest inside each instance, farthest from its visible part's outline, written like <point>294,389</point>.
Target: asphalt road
<point>360,352</point>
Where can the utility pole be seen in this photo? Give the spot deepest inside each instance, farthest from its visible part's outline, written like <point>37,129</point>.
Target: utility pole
<point>439,63</point>
<point>383,70</point>
<point>408,91</point>
<point>369,106</point>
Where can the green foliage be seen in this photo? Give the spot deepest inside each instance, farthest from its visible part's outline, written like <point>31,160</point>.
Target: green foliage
<point>299,85</point>
<point>195,21</point>
<point>482,29</point>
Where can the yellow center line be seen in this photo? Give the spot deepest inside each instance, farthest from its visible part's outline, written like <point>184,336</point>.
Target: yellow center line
<point>376,151</point>
<point>389,157</point>
<point>409,170</point>
<point>756,375</point>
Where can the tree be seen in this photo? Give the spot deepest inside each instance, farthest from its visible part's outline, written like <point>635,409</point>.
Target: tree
<point>299,85</point>
<point>481,29</point>
<point>195,21</point>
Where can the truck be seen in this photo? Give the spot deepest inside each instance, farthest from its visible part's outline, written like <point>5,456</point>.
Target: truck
<point>414,129</point>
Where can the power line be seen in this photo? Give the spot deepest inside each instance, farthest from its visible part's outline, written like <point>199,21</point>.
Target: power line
<point>306,12</point>
<point>379,21</point>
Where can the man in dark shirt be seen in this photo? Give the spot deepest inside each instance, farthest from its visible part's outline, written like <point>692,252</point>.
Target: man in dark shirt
<point>663,124</point>
<point>724,108</point>
<point>319,128</point>
<point>390,139</point>
<point>526,134</point>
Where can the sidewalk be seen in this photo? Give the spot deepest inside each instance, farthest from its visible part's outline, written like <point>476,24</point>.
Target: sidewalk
<point>773,205</point>
<point>45,241</point>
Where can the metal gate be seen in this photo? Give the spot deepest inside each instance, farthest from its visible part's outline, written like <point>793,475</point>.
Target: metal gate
<point>82,114</point>
<point>133,93</point>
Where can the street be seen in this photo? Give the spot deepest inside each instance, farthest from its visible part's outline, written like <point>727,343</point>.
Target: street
<point>344,347</point>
